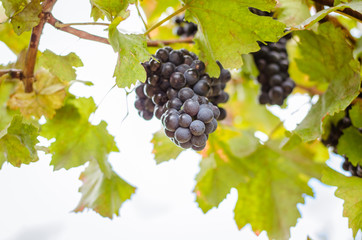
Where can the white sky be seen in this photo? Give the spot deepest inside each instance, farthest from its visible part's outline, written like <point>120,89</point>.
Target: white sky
<point>36,203</point>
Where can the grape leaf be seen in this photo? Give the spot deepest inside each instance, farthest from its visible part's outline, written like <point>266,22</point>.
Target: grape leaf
<point>221,169</point>
<point>327,58</point>
<point>105,195</point>
<point>5,90</point>
<point>154,8</point>
<point>350,190</point>
<point>14,42</point>
<point>78,141</point>
<point>17,143</point>
<point>110,8</point>
<point>350,144</point>
<point>132,51</point>
<point>293,12</point>
<point>268,200</point>
<point>48,96</point>
<point>227,29</point>
<point>356,114</point>
<point>96,13</point>
<point>163,148</point>
<point>60,66</point>
<point>13,6</point>
<point>27,18</point>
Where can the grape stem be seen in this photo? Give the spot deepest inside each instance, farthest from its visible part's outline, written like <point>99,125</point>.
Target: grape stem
<point>165,19</point>
<point>61,25</point>
<point>30,57</point>
<point>85,35</point>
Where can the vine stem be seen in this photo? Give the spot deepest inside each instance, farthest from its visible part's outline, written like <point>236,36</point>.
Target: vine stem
<point>14,73</point>
<point>85,35</point>
<point>347,11</point>
<point>30,58</point>
<point>140,15</point>
<point>165,19</point>
<point>61,25</point>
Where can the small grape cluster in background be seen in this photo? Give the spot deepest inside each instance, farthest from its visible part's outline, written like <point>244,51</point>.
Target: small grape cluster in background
<point>332,141</point>
<point>184,28</point>
<point>272,63</point>
<point>183,96</point>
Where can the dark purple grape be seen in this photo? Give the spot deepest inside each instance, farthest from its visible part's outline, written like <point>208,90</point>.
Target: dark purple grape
<point>225,75</point>
<point>199,141</point>
<point>175,103</point>
<point>154,65</point>
<point>205,115</point>
<point>263,98</point>
<point>288,86</point>
<point>139,104</point>
<point>183,135</point>
<point>198,148</point>
<point>186,145</point>
<point>191,76</point>
<point>146,115</point>
<point>202,88</point>
<point>188,60</point>
<point>139,91</point>
<point>177,80</point>
<point>222,114</point>
<point>185,120</point>
<point>182,68</point>
<point>176,57</point>
<point>159,98</point>
<point>159,111</point>
<point>162,54</point>
<point>197,128</point>
<point>272,69</point>
<point>170,134</point>
<point>199,66</point>
<point>171,93</point>
<point>191,107</point>
<point>167,69</point>
<point>165,84</point>
<point>171,122</point>
<point>276,80</point>
<point>185,93</point>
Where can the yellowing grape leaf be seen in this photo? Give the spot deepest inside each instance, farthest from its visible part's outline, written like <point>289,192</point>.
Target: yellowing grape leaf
<point>132,51</point>
<point>154,8</point>
<point>48,96</point>
<point>14,42</point>
<point>163,148</point>
<point>221,169</point>
<point>60,66</point>
<point>268,200</point>
<point>326,56</point>
<point>27,18</point>
<point>350,190</point>
<point>6,89</point>
<point>110,8</point>
<point>78,141</point>
<point>105,195</point>
<point>350,144</point>
<point>17,143</point>
<point>227,29</point>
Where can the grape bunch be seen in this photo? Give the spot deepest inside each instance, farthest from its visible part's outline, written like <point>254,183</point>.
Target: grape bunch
<point>184,28</point>
<point>336,131</point>
<point>183,96</point>
<point>272,63</point>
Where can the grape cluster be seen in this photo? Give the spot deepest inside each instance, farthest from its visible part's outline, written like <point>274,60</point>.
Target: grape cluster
<point>183,96</point>
<point>336,131</point>
<point>184,28</point>
<point>272,62</point>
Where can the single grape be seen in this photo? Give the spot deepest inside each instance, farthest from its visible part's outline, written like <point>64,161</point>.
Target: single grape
<point>186,145</point>
<point>201,88</point>
<point>182,68</point>
<point>167,69</point>
<point>139,91</point>
<point>182,135</point>
<point>191,107</point>
<point>205,115</point>
<point>199,141</point>
<point>222,114</point>
<point>177,80</point>
<point>170,134</point>
<point>171,122</point>
<point>197,127</point>
<point>176,57</point>
<point>171,93</point>
<point>185,93</point>
<point>188,60</point>
<point>191,76</point>
<point>199,66</point>
<point>162,54</point>
<point>185,120</point>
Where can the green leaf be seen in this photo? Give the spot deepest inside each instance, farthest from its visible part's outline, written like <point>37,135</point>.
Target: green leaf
<point>105,195</point>
<point>110,8</point>
<point>356,114</point>
<point>163,148</point>
<point>13,6</point>
<point>221,168</point>
<point>78,141</point>
<point>227,29</point>
<point>350,190</point>
<point>48,96</point>
<point>293,12</point>
<point>350,144</point>
<point>60,66</point>
<point>6,88</point>
<point>17,143</point>
<point>96,13</point>
<point>268,200</point>
<point>27,18</point>
<point>327,57</point>
<point>132,51</point>
<point>14,42</point>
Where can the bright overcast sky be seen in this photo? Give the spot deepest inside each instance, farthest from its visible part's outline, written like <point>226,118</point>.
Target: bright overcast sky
<point>36,203</point>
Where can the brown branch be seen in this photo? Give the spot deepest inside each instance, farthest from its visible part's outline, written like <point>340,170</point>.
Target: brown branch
<point>310,90</point>
<point>85,35</point>
<point>347,11</point>
<point>30,57</point>
<point>14,73</point>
